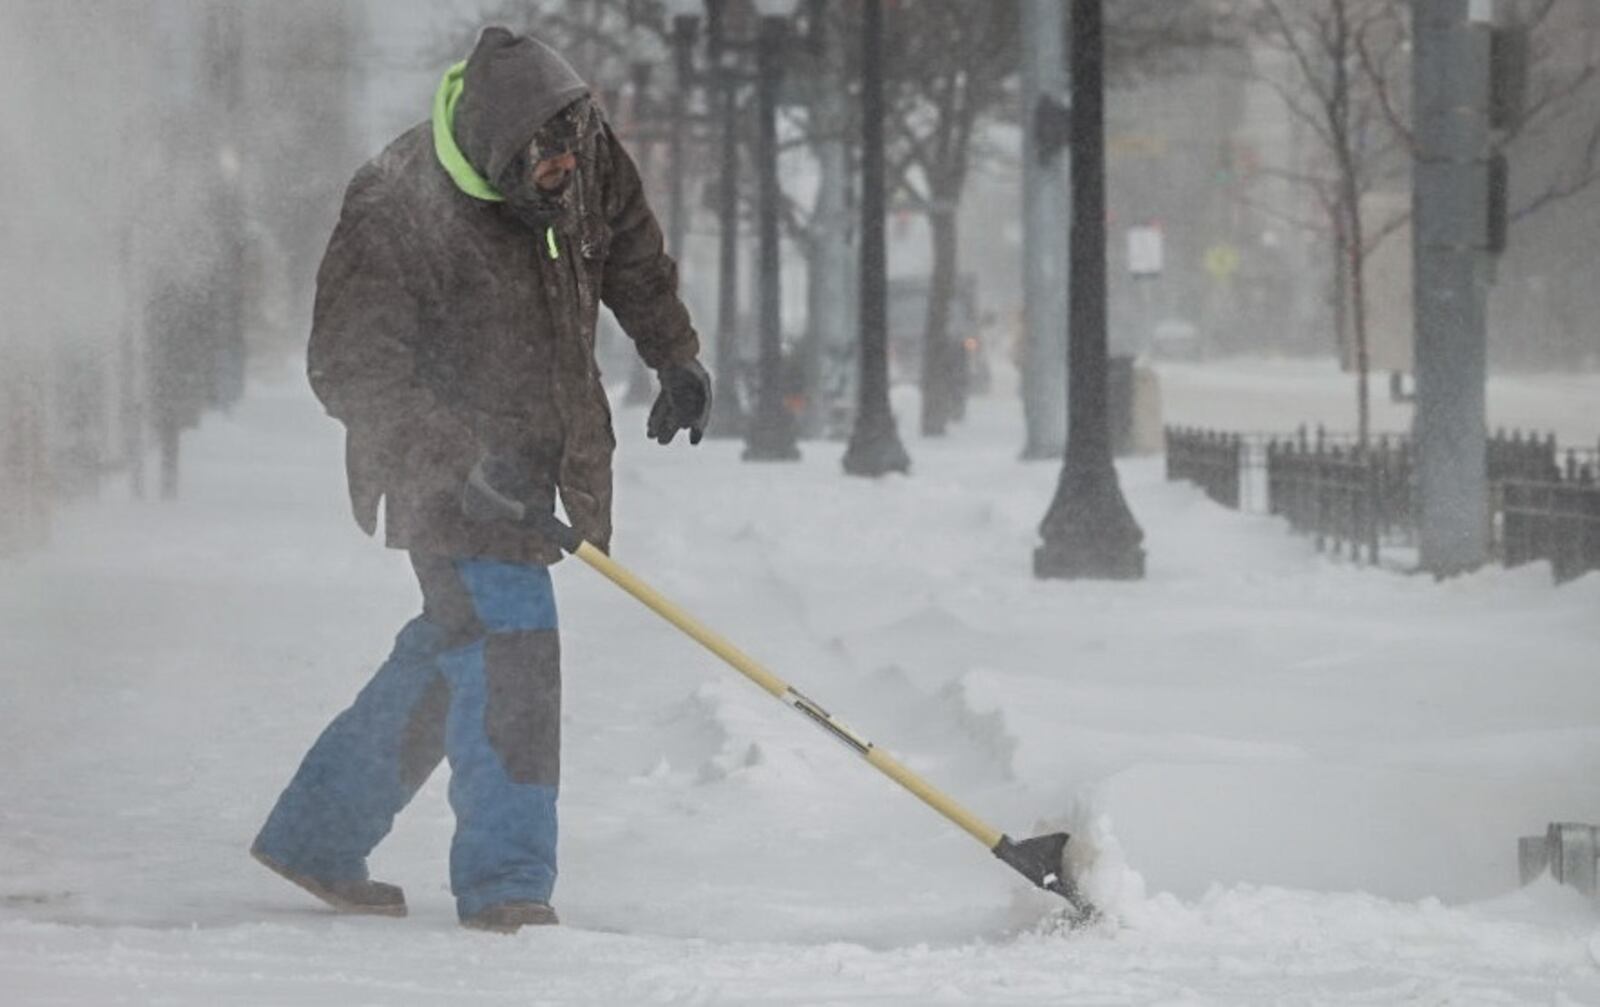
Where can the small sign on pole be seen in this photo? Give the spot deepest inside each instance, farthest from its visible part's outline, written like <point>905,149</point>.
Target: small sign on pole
<point>1222,261</point>
<point>1146,251</point>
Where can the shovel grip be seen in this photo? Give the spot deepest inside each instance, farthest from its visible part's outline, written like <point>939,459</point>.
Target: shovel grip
<point>491,503</point>
<point>558,531</point>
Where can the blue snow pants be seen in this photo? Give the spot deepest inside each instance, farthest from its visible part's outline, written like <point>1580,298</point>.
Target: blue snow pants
<point>476,678</point>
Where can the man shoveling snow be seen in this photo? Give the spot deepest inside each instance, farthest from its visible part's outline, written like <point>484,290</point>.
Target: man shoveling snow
<point>453,335</point>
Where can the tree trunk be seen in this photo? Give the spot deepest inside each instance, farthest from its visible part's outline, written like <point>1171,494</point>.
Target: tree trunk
<point>938,358</point>
<point>727,412</point>
<point>1341,292</point>
<point>1358,320</point>
<point>1353,254</point>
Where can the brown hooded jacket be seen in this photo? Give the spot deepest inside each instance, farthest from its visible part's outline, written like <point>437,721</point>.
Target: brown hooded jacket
<point>444,324</point>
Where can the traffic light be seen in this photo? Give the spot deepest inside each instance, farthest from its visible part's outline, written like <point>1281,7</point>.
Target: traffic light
<point>1509,49</point>
<point>1499,203</point>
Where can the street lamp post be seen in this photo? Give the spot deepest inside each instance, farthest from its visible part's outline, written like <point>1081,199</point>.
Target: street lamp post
<point>771,432</point>
<point>1088,532</point>
<point>727,414</point>
<point>736,30</point>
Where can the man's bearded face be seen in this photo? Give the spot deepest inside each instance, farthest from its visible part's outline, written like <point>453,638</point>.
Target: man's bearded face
<point>554,154</point>
<point>552,174</point>
<point>537,185</point>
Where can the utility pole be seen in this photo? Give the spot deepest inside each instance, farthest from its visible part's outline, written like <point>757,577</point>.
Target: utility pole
<point>770,436</point>
<point>1088,531</point>
<point>1044,228</point>
<point>1450,208</point>
<point>875,447</point>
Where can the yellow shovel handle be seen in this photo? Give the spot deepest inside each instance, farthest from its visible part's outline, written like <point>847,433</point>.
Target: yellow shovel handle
<point>613,571</point>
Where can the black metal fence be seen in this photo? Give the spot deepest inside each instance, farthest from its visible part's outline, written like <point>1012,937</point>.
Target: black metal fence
<point>1519,456</point>
<point>1558,522</point>
<point>1209,459</point>
<point>1355,500</point>
<point>1348,498</point>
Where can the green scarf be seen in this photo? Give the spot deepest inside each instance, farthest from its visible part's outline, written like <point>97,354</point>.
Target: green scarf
<point>461,170</point>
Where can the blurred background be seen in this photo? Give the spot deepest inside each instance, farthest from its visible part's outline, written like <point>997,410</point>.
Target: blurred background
<point>172,170</point>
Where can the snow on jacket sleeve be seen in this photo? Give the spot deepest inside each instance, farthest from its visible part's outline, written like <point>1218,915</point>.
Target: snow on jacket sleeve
<point>641,280</point>
<point>362,356</point>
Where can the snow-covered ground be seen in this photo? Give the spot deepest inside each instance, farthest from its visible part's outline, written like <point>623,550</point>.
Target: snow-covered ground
<point>1304,781</point>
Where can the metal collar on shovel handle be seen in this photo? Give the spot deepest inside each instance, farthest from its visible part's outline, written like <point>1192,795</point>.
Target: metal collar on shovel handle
<point>1038,859</point>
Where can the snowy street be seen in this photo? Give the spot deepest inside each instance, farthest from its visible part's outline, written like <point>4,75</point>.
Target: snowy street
<point>1298,782</point>
<point>938,233</point>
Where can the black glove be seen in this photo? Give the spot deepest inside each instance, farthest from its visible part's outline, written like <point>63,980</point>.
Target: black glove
<point>684,403</point>
<point>501,488</point>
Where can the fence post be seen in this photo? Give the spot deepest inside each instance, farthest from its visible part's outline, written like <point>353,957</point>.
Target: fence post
<point>1298,472</point>
<point>1569,532</point>
<point>1510,523</point>
<point>1350,496</point>
<point>1328,495</point>
<point>1218,465</point>
<point>1206,464</point>
<point>1271,462</point>
<point>1350,489</point>
<point>1314,500</point>
<point>1374,498</point>
<point>1542,524</point>
<point>1591,527</point>
<point>1236,463</point>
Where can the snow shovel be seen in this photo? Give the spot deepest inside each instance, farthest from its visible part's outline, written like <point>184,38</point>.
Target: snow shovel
<point>1039,859</point>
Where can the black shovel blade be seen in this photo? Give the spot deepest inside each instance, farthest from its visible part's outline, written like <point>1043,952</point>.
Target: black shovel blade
<point>1040,861</point>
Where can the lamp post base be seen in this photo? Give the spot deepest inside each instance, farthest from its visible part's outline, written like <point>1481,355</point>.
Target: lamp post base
<point>875,447</point>
<point>770,436</point>
<point>1089,533</point>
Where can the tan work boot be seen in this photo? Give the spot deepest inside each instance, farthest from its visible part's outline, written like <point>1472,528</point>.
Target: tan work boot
<point>509,917</point>
<point>367,898</point>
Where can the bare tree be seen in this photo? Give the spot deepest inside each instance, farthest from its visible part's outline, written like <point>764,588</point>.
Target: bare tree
<point>949,65</point>
<point>1560,112</point>
<point>1550,102</point>
<point>1348,84</point>
<point>953,67</point>
<point>1153,38</point>
<point>1340,55</point>
<point>601,38</point>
